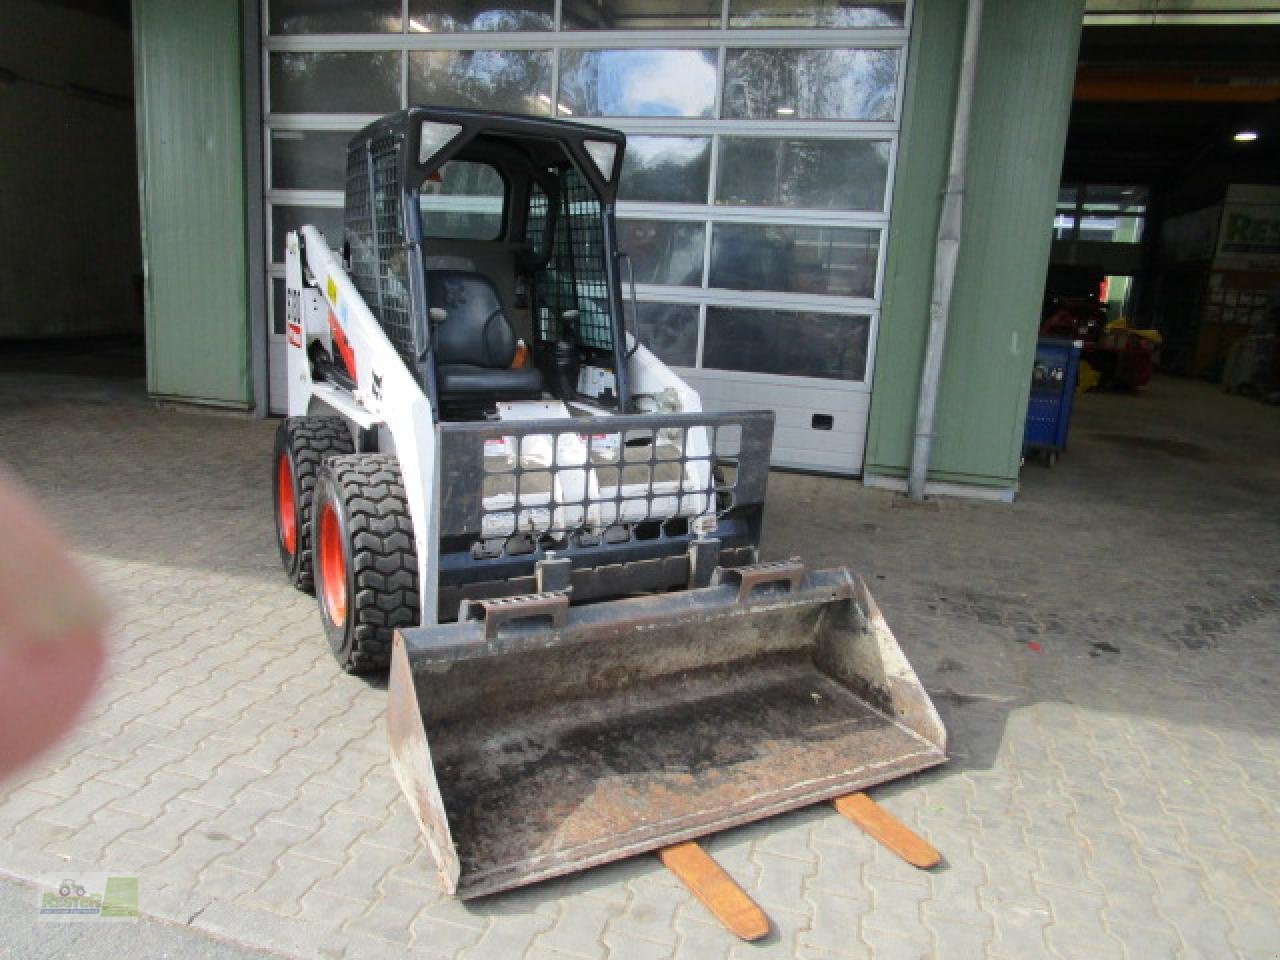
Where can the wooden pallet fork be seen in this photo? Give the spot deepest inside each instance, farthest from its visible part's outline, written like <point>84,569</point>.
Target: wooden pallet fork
<point>886,829</point>
<point>741,915</point>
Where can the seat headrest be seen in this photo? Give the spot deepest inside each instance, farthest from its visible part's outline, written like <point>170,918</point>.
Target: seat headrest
<point>444,262</point>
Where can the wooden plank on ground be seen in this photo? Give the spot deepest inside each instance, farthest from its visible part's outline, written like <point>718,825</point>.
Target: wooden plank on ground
<point>884,828</point>
<point>718,892</point>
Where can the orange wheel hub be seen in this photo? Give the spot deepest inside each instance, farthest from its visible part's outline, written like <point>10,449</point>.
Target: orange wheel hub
<point>286,511</point>
<point>333,571</point>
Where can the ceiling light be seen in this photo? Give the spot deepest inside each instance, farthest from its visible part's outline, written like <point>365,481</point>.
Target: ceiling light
<point>417,26</point>
<point>786,111</point>
<point>1246,136</point>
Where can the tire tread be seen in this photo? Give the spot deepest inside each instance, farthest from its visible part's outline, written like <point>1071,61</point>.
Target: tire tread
<point>311,441</point>
<point>384,555</point>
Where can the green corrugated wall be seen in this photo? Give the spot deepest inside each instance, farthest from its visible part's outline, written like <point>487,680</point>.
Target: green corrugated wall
<point>187,63</point>
<point>1026,66</point>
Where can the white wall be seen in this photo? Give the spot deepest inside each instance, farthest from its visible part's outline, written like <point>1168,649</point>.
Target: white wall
<point>69,249</point>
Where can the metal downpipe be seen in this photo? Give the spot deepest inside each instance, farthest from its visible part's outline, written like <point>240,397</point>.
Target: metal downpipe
<point>946,254</point>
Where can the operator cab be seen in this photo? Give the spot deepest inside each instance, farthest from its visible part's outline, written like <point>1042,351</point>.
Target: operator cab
<point>484,244</point>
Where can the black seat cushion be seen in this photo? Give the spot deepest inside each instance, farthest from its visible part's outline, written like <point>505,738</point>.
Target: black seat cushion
<point>470,379</point>
<point>475,344</point>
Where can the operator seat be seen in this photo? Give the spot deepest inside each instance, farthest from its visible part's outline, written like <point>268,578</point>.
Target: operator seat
<point>475,343</point>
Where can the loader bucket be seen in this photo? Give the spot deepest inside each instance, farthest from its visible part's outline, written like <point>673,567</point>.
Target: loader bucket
<point>544,739</point>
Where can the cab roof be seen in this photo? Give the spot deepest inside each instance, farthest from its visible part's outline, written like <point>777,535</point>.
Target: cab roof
<point>486,135</point>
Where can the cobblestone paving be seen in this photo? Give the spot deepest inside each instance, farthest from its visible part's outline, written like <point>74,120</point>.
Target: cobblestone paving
<point>1104,653</point>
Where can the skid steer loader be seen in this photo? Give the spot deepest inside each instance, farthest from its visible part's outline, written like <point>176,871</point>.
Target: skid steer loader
<point>500,494</point>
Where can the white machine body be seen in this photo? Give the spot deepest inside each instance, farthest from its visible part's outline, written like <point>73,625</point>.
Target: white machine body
<point>324,307</point>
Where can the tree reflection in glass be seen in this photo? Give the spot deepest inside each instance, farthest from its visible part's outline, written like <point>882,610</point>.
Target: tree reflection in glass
<point>803,173</point>
<point>831,261</point>
<point>774,14</point>
<point>666,169</point>
<point>649,15</point>
<point>835,84</point>
<point>791,343</point>
<point>670,331</point>
<point>335,82</point>
<point>637,83</point>
<point>514,81</point>
<point>334,16</point>
<point>668,253</point>
<point>454,16</point>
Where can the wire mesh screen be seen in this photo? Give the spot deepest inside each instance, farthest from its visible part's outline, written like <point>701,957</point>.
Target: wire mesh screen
<point>576,277</point>
<point>535,228</point>
<point>358,226</point>
<point>611,479</point>
<point>392,296</point>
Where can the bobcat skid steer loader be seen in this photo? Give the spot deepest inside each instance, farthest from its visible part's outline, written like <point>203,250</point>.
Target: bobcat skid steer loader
<point>501,495</point>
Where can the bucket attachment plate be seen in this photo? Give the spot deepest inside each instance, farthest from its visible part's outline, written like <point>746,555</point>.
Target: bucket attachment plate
<point>530,749</point>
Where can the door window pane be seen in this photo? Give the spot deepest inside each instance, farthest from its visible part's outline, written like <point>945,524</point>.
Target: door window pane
<point>649,15</point>
<point>452,16</point>
<point>671,331</point>
<point>836,84</point>
<point>277,306</point>
<point>514,81</point>
<point>1106,228</point>
<point>799,344</point>
<point>813,174</point>
<point>666,169</point>
<point>335,82</point>
<point>774,14</point>
<point>466,202</point>
<point>637,83</point>
<point>328,220</point>
<point>334,16</point>
<point>837,261</point>
<point>1118,198</point>
<point>308,159</point>
<point>664,252</point>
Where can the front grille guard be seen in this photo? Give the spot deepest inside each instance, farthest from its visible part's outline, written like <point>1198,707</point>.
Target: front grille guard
<point>598,477</point>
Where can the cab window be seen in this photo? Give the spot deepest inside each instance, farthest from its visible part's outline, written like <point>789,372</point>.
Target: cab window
<point>463,201</point>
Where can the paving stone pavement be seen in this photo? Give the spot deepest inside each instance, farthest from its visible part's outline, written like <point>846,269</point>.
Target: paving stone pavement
<point>1104,653</point>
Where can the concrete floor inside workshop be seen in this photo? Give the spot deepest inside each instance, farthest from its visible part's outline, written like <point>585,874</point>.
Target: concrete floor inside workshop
<point>1104,653</point>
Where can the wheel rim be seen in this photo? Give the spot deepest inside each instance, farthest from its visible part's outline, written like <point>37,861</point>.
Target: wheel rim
<point>286,511</point>
<point>333,573</point>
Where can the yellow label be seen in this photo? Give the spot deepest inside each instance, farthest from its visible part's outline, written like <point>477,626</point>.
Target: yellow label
<point>331,289</point>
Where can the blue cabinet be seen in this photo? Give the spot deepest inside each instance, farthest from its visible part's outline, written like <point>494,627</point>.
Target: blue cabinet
<point>1053,386</point>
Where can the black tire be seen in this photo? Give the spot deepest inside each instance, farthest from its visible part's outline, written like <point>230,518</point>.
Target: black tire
<point>365,552</point>
<point>302,444</point>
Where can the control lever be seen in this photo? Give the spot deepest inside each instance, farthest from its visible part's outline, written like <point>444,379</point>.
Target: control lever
<point>565,356</point>
<point>635,309</point>
<point>436,316</point>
